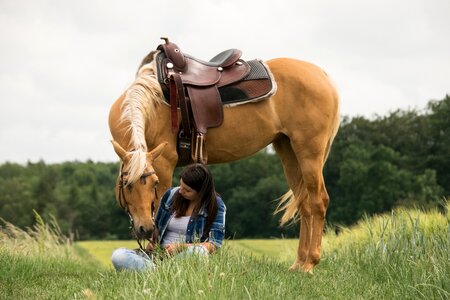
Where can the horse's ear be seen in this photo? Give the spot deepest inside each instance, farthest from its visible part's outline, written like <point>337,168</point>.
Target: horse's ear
<point>157,151</point>
<point>119,150</point>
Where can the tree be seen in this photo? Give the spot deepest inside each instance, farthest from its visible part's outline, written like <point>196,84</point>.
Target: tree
<point>438,157</point>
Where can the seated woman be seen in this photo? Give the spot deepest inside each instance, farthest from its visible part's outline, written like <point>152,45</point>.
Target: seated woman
<point>190,219</point>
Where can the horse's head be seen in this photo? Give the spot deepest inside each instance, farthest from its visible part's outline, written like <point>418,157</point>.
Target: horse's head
<point>136,188</point>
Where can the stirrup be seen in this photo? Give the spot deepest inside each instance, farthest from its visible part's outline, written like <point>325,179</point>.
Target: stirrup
<point>200,155</point>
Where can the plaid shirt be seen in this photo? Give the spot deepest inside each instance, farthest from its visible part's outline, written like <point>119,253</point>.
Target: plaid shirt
<point>194,231</point>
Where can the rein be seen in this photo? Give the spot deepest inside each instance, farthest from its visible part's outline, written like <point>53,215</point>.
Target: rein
<point>123,202</point>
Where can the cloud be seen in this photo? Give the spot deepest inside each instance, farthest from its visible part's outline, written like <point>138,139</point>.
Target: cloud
<point>62,64</point>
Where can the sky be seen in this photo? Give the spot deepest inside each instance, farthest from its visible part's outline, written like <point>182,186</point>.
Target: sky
<point>63,63</point>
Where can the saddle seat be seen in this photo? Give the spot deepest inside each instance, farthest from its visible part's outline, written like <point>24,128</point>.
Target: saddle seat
<point>192,85</point>
<point>223,59</point>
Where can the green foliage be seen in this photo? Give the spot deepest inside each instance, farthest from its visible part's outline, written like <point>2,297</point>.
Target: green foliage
<point>250,188</point>
<point>439,140</point>
<point>79,195</point>
<point>400,159</point>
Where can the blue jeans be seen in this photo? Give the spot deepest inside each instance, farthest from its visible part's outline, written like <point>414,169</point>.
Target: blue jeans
<point>127,259</point>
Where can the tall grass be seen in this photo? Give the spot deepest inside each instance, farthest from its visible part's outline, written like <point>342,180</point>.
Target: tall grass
<point>405,253</point>
<point>40,263</point>
<point>402,255</point>
<point>43,239</point>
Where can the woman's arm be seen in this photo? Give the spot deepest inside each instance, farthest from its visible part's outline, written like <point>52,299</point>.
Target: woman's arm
<point>178,247</point>
<point>217,231</point>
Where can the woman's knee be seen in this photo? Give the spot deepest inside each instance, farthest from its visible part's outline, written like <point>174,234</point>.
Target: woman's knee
<point>126,259</point>
<point>120,257</point>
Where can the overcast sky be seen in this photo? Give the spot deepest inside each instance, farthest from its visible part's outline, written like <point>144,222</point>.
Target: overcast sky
<point>63,63</point>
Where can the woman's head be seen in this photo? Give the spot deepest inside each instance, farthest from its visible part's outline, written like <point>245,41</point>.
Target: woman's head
<point>198,178</point>
<point>196,183</point>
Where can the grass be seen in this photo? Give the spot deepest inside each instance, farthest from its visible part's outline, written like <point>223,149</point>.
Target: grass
<point>282,250</point>
<point>41,263</point>
<point>402,255</point>
<point>101,250</point>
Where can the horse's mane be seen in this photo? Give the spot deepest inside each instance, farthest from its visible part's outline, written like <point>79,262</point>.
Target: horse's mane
<point>138,108</point>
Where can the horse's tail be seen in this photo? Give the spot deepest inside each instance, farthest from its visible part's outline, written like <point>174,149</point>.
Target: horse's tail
<point>288,202</point>
<point>291,204</point>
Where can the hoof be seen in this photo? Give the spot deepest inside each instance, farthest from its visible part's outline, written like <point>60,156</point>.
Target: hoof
<point>295,267</point>
<point>303,267</point>
<point>308,268</point>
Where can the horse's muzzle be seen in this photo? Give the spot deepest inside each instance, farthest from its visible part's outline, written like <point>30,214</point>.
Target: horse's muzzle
<point>142,233</point>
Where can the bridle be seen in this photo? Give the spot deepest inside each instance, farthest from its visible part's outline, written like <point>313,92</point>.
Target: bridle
<point>123,202</point>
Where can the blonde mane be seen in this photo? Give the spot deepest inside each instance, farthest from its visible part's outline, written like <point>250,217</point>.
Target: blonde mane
<point>138,109</point>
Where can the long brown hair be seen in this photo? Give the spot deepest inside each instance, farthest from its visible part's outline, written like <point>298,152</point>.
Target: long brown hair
<point>199,178</point>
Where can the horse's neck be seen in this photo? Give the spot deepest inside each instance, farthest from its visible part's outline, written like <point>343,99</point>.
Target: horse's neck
<point>159,130</point>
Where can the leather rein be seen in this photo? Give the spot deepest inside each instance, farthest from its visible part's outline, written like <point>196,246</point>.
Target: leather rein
<point>123,202</point>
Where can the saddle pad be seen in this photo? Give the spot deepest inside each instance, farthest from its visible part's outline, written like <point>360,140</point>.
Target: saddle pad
<point>258,84</point>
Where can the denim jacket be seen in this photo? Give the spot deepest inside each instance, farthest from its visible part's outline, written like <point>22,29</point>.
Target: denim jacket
<point>194,232</point>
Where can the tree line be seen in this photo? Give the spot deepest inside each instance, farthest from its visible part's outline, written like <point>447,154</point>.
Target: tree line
<point>401,159</point>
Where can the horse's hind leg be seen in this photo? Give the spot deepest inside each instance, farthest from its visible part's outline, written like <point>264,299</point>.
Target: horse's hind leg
<point>300,202</point>
<point>303,165</point>
<point>312,166</point>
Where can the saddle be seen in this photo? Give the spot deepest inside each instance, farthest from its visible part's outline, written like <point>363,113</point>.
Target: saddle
<point>200,88</point>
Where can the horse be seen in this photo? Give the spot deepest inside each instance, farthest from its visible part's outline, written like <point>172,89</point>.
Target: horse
<point>300,120</point>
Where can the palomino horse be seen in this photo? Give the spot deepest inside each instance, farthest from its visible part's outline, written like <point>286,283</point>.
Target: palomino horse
<point>300,120</point>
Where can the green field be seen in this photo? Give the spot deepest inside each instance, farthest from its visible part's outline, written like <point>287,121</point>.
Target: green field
<point>403,255</point>
<point>279,249</point>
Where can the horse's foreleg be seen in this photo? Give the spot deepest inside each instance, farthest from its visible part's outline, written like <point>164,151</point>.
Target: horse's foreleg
<point>164,167</point>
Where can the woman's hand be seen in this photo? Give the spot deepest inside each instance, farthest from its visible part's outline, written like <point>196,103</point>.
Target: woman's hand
<point>174,248</point>
<point>209,247</point>
<point>150,246</point>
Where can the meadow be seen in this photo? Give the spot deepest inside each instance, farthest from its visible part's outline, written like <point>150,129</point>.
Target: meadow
<point>401,255</point>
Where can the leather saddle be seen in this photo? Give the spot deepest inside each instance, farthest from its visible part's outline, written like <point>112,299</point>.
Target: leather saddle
<point>198,89</point>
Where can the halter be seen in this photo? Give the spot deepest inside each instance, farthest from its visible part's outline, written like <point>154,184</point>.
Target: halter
<point>123,202</point>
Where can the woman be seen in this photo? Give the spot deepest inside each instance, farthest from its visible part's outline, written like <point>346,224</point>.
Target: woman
<point>190,219</point>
